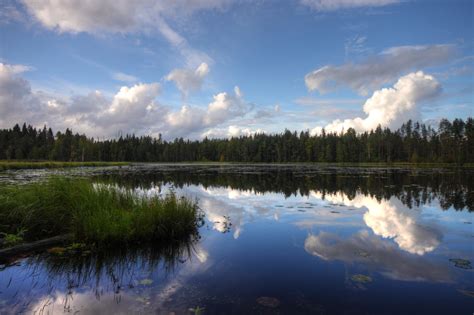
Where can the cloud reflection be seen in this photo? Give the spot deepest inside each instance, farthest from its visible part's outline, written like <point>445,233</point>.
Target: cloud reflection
<point>375,253</point>
<point>392,219</point>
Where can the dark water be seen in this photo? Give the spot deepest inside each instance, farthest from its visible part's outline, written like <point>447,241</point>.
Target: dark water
<point>277,240</point>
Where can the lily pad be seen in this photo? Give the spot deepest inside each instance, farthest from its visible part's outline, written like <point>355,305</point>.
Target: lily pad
<point>76,247</point>
<point>467,292</point>
<point>146,282</point>
<point>268,301</point>
<point>196,310</point>
<point>57,250</point>
<point>461,263</point>
<point>361,278</point>
<point>142,299</point>
<point>363,253</point>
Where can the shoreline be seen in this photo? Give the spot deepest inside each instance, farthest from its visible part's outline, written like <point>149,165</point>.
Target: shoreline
<point>20,164</point>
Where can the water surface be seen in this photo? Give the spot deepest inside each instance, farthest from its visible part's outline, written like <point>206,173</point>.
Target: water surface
<point>282,239</point>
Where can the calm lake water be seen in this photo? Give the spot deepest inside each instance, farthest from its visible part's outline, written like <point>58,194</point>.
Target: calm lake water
<point>276,240</point>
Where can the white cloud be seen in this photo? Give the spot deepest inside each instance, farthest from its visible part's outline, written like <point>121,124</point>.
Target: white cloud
<point>123,16</point>
<point>378,70</point>
<point>223,108</point>
<point>123,77</point>
<point>231,131</point>
<point>133,109</point>
<point>390,107</point>
<point>333,5</point>
<point>187,80</point>
<point>356,45</point>
<point>17,101</point>
<point>226,106</point>
<point>392,219</point>
<point>382,256</point>
<point>115,16</point>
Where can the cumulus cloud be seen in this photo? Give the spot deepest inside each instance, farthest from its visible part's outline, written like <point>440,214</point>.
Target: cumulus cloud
<point>333,5</point>
<point>187,80</point>
<point>223,108</point>
<point>376,71</point>
<point>133,109</point>
<point>390,107</point>
<point>122,16</point>
<point>231,131</point>
<point>392,219</point>
<point>382,256</point>
<point>17,100</point>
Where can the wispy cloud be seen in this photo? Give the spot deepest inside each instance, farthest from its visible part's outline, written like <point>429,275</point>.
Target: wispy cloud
<point>378,70</point>
<point>334,5</point>
<point>116,75</point>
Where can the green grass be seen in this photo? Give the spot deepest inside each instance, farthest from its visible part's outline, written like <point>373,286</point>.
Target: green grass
<point>6,165</point>
<point>94,213</point>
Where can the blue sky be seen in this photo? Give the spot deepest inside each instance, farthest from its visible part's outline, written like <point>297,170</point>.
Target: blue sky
<point>223,68</point>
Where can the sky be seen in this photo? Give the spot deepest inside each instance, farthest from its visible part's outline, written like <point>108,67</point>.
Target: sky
<point>225,68</point>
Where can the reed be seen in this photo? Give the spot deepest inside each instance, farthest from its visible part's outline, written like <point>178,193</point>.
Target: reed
<point>94,213</point>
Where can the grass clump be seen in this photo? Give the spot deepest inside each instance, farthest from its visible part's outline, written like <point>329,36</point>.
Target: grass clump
<point>94,213</point>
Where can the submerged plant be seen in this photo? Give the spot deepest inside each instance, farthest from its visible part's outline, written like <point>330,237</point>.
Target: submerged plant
<point>268,301</point>
<point>197,310</point>
<point>361,278</point>
<point>461,263</point>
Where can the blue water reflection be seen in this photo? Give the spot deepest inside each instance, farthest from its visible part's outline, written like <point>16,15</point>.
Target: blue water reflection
<point>302,249</point>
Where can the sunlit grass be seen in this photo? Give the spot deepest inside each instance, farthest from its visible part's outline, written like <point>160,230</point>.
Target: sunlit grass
<point>94,213</point>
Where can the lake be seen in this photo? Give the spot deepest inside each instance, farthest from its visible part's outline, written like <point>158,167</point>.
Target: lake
<point>276,239</point>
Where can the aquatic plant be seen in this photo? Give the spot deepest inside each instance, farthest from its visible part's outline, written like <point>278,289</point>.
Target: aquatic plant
<point>15,165</point>
<point>461,263</point>
<point>361,278</point>
<point>94,213</point>
<point>12,239</point>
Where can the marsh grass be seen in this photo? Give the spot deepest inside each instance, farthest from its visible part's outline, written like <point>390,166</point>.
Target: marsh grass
<point>16,165</point>
<point>98,214</point>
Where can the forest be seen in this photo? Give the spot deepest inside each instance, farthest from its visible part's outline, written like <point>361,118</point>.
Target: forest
<point>414,142</point>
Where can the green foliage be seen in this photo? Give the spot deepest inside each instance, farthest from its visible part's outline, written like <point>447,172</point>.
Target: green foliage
<point>94,213</point>
<point>453,142</point>
<point>12,239</point>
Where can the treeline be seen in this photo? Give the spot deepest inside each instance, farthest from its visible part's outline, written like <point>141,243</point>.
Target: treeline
<point>451,142</point>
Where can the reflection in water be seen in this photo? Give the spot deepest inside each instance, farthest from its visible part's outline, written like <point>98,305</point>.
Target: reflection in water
<point>392,219</point>
<point>261,223</point>
<point>228,208</point>
<point>414,187</point>
<point>99,282</point>
<point>375,253</point>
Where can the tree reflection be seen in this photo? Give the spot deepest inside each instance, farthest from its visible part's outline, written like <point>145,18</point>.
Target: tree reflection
<point>414,187</point>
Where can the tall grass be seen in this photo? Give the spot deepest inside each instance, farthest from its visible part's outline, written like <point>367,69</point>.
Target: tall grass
<point>94,213</point>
